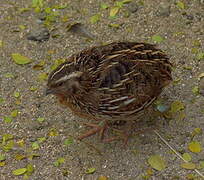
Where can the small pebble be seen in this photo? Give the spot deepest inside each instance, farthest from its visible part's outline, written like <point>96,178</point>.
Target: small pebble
<point>41,34</point>
<point>163,10</point>
<point>132,7</point>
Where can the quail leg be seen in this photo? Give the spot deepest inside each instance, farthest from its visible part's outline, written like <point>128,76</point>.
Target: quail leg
<point>122,134</point>
<point>100,129</point>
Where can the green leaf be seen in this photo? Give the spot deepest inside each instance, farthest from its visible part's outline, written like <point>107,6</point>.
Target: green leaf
<point>90,170</point>
<point>188,165</point>
<point>2,157</point>
<point>7,119</point>
<point>39,66</point>
<point>35,145</point>
<point>68,141</point>
<point>19,59</point>
<point>37,3</point>
<point>157,162</point>
<point>57,62</point>
<point>114,11</point>
<point>94,19</point>
<point>59,161</point>
<point>201,164</point>
<point>157,38</point>
<point>196,131</point>
<point>14,113</point>
<point>195,90</point>
<point>16,94</point>
<point>176,106</point>
<point>53,132</point>
<point>1,44</point>
<point>42,76</point>
<point>40,119</point>
<point>9,75</point>
<point>119,4</point>
<point>41,139</point>
<point>18,172</point>
<point>2,163</point>
<point>197,43</point>
<point>187,156</point>
<point>200,56</point>
<point>32,88</point>
<point>30,169</point>
<point>126,1</point>
<point>1,100</point>
<point>20,156</point>
<point>194,146</point>
<point>180,5</point>
<point>62,6</point>
<point>114,25</point>
<point>8,146</point>
<point>104,6</point>
<point>102,178</point>
<point>6,137</point>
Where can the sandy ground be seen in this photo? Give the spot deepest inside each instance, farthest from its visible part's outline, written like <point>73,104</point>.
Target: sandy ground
<point>183,34</point>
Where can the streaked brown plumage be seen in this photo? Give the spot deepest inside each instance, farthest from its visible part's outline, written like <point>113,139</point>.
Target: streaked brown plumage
<point>111,82</point>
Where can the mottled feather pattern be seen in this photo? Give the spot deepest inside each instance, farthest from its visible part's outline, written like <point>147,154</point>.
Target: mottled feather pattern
<point>118,80</point>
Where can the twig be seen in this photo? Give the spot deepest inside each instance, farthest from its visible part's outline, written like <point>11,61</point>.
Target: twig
<point>179,155</point>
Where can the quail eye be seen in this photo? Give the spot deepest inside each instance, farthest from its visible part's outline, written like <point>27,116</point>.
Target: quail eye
<point>60,84</point>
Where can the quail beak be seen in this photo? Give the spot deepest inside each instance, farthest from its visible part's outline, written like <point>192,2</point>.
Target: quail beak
<point>48,91</point>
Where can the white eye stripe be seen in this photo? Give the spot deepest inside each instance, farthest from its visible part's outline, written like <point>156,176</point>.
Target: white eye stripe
<point>58,71</point>
<point>66,77</point>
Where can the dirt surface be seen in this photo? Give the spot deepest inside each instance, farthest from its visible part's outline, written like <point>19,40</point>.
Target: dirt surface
<point>182,29</point>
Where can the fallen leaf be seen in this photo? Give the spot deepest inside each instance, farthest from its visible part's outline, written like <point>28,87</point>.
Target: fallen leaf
<point>187,156</point>
<point>18,172</point>
<point>94,19</point>
<point>41,139</point>
<point>40,119</point>
<point>1,44</point>
<point>2,157</point>
<point>104,6</point>
<point>2,163</point>
<point>59,161</point>
<point>176,106</point>
<point>201,164</point>
<point>102,178</point>
<point>114,11</point>
<point>68,141</point>
<point>39,66</point>
<point>157,162</point>
<point>200,56</point>
<point>16,94</point>
<point>157,38</point>
<point>20,156</point>
<point>195,90</point>
<point>194,146</point>
<point>90,170</point>
<point>14,113</point>
<point>188,165</point>
<point>180,5</point>
<point>1,100</point>
<point>114,25</point>
<point>43,76</point>
<point>53,132</point>
<point>7,119</point>
<point>30,169</point>
<point>19,59</point>
<point>196,131</point>
<point>35,145</point>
